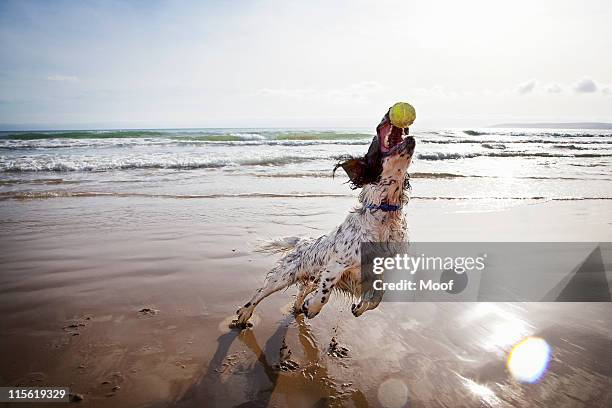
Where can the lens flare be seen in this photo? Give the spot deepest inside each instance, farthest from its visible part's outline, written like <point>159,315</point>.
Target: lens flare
<point>393,393</point>
<point>529,359</point>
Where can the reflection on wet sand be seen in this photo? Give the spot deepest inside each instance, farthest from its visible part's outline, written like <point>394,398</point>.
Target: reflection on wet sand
<point>419,355</point>
<point>304,384</point>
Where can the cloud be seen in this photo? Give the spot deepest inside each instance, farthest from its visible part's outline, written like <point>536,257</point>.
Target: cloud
<point>554,88</point>
<point>355,92</point>
<point>527,87</point>
<point>585,85</point>
<point>62,78</point>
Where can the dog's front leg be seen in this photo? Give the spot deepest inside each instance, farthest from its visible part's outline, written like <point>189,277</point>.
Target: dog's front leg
<point>304,290</point>
<point>330,276</point>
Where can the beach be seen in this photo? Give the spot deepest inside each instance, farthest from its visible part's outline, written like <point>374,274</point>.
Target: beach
<point>124,258</point>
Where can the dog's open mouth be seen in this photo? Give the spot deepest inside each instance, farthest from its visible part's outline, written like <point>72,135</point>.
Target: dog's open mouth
<point>389,138</point>
<point>389,141</point>
<point>394,138</point>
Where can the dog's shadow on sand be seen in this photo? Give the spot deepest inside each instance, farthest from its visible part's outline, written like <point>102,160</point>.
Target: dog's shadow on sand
<point>230,379</point>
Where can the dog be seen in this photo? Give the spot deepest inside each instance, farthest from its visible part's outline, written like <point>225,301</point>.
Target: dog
<point>332,262</point>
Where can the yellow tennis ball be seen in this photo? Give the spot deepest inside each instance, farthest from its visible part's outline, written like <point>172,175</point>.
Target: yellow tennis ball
<point>402,114</point>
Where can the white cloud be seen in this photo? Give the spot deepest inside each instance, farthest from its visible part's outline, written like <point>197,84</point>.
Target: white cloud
<point>62,78</point>
<point>527,87</point>
<point>554,88</point>
<point>585,85</point>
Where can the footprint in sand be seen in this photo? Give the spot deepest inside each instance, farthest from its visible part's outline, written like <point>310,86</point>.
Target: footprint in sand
<point>337,350</point>
<point>148,311</point>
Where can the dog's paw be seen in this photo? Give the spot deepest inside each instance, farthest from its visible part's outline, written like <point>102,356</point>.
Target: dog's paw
<point>362,307</point>
<point>242,318</point>
<point>237,324</point>
<point>353,308</point>
<point>309,311</point>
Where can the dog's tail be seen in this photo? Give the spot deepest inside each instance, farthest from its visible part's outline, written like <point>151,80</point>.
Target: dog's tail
<point>278,245</point>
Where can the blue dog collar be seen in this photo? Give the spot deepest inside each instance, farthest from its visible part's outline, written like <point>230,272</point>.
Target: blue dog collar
<point>384,207</point>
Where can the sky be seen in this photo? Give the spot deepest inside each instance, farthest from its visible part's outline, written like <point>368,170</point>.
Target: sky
<point>152,64</point>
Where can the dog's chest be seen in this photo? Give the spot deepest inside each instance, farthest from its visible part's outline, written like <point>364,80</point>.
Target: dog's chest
<point>384,227</point>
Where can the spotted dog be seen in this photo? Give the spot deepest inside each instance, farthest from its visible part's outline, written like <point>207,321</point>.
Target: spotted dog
<point>332,262</point>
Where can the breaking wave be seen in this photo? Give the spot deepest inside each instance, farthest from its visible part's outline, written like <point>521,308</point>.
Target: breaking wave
<point>50,163</point>
<point>499,146</point>
<point>455,156</point>
<point>473,133</point>
<point>187,134</point>
<point>34,195</point>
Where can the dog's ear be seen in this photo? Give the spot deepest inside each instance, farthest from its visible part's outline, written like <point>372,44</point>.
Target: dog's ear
<point>355,169</point>
<point>362,171</point>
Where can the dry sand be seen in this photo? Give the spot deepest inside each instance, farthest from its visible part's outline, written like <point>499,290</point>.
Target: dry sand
<point>127,300</point>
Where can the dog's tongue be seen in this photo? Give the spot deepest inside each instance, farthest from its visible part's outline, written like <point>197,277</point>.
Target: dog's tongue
<point>388,135</point>
<point>383,130</point>
<point>389,138</point>
<point>394,139</point>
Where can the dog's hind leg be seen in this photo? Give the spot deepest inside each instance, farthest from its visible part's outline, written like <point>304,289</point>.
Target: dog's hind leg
<point>277,279</point>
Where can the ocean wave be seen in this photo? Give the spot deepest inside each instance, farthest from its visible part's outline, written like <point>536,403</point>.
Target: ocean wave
<point>190,135</point>
<point>423,175</point>
<point>455,156</point>
<point>43,144</point>
<point>329,174</point>
<point>474,133</point>
<point>447,156</point>
<point>268,134</point>
<point>571,147</point>
<point>41,181</point>
<point>34,195</point>
<point>453,140</point>
<point>267,142</point>
<point>37,144</point>
<point>204,138</point>
<point>535,133</point>
<point>295,174</point>
<point>80,144</point>
<point>520,141</point>
<point>93,163</point>
<point>82,134</point>
<point>499,146</point>
<point>50,163</point>
<point>416,175</point>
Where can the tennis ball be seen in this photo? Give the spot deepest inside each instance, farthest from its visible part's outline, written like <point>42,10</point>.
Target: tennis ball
<point>402,115</point>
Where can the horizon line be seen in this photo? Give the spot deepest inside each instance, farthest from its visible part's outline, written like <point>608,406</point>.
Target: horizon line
<point>6,127</point>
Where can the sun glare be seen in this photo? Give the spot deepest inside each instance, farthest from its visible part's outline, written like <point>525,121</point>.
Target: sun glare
<point>481,391</point>
<point>529,359</point>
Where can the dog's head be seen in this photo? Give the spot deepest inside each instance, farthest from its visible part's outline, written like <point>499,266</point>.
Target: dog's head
<point>388,157</point>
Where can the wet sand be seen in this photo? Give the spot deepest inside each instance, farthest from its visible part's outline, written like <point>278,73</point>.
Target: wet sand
<point>127,301</point>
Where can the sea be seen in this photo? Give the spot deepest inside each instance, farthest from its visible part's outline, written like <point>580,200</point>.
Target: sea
<point>487,167</point>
